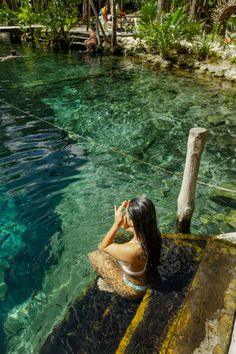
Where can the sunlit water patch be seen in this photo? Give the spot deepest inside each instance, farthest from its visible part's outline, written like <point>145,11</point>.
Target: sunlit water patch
<point>58,189</point>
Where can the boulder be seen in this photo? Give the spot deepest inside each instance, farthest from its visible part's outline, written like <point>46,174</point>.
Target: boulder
<point>17,318</point>
<point>216,70</point>
<point>231,218</point>
<point>21,315</point>
<point>216,119</point>
<point>230,74</point>
<point>225,197</point>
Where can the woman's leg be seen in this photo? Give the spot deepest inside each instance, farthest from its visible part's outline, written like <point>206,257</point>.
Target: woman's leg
<point>89,44</point>
<point>86,42</point>
<point>107,267</point>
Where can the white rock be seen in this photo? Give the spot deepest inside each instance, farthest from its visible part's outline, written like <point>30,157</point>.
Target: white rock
<point>230,74</point>
<point>202,69</point>
<point>216,70</point>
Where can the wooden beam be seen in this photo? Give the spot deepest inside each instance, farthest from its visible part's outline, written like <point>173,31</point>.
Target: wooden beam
<point>186,199</point>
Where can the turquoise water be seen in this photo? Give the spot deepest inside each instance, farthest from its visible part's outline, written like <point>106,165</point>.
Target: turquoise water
<point>58,189</point>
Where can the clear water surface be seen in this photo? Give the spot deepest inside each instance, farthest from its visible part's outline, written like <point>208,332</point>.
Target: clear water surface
<point>58,190</point>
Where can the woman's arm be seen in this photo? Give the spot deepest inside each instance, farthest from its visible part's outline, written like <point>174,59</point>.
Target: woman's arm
<point>109,237</point>
<point>122,252</point>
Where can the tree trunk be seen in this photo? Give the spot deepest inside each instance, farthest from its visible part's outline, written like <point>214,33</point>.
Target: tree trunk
<point>186,200</point>
<point>98,20</point>
<point>159,11</point>
<point>85,9</point>
<point>35,5</point>
<point>88,14</point>
<point>193,9</point>
<point>113,14</point>
<point>12,5</point>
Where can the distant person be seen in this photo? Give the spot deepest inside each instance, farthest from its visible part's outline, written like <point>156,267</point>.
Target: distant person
<point>122,13</point>
<point>13,55</point>
<point>120,29</point>
<point>127,268</point>
<point>92,42</point>
<point>105,13</point>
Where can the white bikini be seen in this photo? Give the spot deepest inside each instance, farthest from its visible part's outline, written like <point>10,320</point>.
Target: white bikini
<point>131,273</point>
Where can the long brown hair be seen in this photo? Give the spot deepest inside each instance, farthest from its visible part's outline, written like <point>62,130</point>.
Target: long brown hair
<point>143,214</point>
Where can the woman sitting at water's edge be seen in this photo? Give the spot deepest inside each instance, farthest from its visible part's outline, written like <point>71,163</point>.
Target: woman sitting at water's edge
<point>92,42</point>
<point>126,268</point>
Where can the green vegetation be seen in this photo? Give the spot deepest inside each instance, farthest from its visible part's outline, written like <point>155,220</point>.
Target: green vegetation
<point>172,28</point>
<point>164,25</point>
<point>58,16</point>
<point>203,48</point>
<point>166,36</point>
<point>7,16</point>
<point>233,60</point>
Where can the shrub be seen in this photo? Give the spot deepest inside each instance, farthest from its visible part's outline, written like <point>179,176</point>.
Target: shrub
<point>203,48</point>
<point>8,16</point>
<point>233,60</point>
<point>148,13</point>
<point>174,27</point>
<point>59,17</point>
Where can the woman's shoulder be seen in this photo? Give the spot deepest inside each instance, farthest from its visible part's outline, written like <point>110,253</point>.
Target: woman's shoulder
<point>134,248</point>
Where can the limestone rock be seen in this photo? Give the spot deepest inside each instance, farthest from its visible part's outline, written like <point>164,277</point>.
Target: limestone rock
<point>216,119</point>
<point>226,196</point>
<point>201,68</point>
<point>216,70</point>
<point>17,318</point>
<point>21,315</point>
<point>231,218</point>
<point>230,75</point>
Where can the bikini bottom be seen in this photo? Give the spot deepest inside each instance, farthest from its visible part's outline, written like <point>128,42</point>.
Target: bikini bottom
<point>134,286</point>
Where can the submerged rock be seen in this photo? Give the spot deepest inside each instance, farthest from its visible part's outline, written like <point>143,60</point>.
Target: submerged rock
<point>11,243</point>
<point>231,218</point>
<point>17,318</point>
<point>230,119</point>
<point>216,120</point>
<point>225,197</point>
<point>21,315</point>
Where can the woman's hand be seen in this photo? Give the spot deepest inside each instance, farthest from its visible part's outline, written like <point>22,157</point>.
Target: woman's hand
<point>119,218</point>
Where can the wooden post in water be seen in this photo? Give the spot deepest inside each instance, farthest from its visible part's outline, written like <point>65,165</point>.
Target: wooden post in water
<point>186,199</point>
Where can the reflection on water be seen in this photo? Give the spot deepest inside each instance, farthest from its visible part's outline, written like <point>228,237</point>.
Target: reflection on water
<point>57,195</point>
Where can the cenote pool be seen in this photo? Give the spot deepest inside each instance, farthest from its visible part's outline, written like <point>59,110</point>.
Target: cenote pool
<point>58,190</point>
